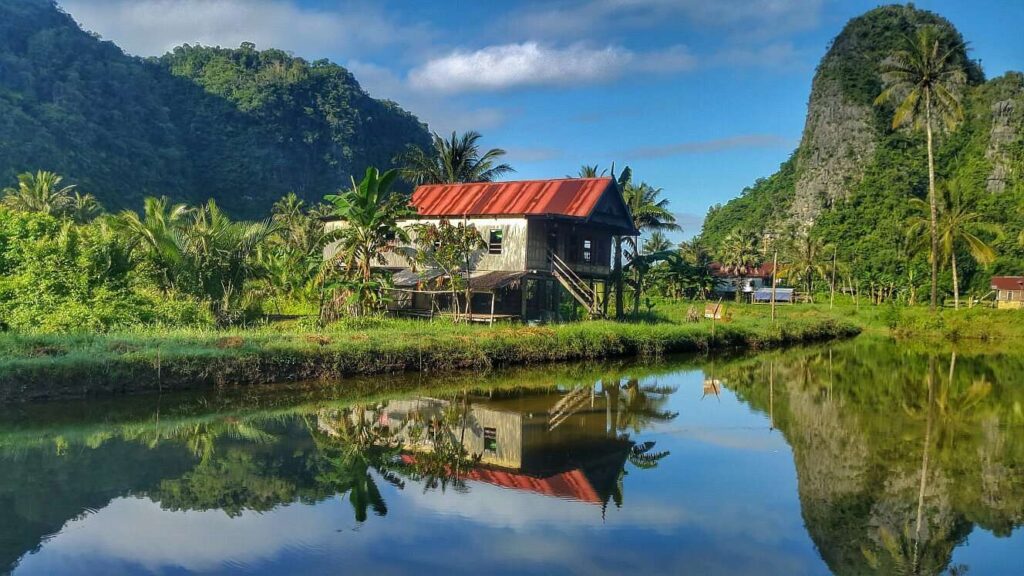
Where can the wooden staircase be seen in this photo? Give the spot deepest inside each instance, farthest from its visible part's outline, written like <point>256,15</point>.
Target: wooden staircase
<point>575,285</point>
<point>568,405</point>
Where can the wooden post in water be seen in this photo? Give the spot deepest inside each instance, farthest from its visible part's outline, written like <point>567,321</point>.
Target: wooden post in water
<point>775,275</point>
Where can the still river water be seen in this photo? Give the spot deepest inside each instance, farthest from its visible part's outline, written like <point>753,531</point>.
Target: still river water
<point>859,458</point>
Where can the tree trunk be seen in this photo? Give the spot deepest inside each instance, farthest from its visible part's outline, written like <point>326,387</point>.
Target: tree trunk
<point>618,277</point>
<point>956,283</point>
<point>933,204</point>
<point>636,294</point>
<point>924,458</point>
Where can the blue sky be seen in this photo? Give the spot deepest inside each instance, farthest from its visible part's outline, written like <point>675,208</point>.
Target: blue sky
<point>700,97</point>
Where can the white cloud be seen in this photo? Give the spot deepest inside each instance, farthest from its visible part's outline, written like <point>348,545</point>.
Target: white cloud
<point>152,27</point>
<point>442,115</point>
<point>506,66</point>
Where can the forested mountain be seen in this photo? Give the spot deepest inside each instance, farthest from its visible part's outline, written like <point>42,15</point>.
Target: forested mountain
<point>850,180</point>
<point>241,126</point>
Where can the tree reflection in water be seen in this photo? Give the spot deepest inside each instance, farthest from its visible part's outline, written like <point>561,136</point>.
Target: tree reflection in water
<point>899,454</point>
<point>894,491</point>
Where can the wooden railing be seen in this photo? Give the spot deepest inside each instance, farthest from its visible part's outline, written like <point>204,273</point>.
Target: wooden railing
<point>568,405</point>
<point>575,285</point>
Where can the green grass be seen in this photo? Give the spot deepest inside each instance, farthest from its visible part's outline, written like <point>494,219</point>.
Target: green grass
<point>918,322</point>
<point>69,365</point>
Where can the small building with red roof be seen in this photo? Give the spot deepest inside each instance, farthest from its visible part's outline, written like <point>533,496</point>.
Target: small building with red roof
<point>1009,291</point>
<point>547,241</point>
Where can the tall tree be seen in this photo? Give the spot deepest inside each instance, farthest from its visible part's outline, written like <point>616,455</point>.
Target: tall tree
<point>959,226</point>
<point>452,161</point>
<point>650,213</point>
<point>927,80</point>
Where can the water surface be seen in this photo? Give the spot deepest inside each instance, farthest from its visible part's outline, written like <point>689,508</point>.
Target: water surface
<point>859,458</point>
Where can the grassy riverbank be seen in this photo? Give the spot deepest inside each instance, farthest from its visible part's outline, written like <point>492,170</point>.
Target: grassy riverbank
<point>982,324</point>
<point>48,366</point>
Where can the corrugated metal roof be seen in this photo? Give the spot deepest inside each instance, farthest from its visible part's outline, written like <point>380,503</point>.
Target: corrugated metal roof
<point>573,484</point>
<point>1008,282</point>
<point>763,271</point>
<point>574,197</point>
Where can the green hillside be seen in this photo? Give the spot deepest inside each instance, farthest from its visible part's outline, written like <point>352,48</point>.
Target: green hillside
<point>242,126</point>
<point>850,179</point>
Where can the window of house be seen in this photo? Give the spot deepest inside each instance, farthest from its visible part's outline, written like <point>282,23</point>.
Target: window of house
<point>389,236</point>
<point>588,253</point>
<point>491,439</point>
<point>495,241</point>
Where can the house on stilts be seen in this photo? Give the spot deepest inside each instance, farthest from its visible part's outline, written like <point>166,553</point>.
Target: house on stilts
<point>548,241</point>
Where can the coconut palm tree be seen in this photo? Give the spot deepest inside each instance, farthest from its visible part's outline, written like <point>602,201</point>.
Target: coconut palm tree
<point>959,226</point>
<point>223,255</point>
<point>658,242</point>
<point>806,259</point>
<point>83,208</point>
<point>588,171</point>
<point>452,161</point>
<point>927,80</point>
<point>40,192</point>
<point>156,235</point>
<point>739,255</point>
<point>697,257</point>
<point>650,212</point>
<point>199,251</point>
<point>294,254</point>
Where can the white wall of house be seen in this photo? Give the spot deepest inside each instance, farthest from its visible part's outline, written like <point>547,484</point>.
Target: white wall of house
<point>512,255</point>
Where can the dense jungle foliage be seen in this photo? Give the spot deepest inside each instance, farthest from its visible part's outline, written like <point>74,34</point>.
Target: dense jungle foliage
<point>241,126</point>
<point>867,226</point>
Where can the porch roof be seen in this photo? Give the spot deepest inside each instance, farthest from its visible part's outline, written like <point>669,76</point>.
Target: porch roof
<point>479,281</point>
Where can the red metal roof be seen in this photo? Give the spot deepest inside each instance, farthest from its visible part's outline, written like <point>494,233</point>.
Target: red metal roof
<point>763,271</point>
<point>572,484</point>
<point>575,197</point>
<point>1008,282</point>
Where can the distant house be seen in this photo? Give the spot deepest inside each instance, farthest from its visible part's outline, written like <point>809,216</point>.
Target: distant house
<point>1009,291</point>
<point>547,240</point>
<point>727,283</point>
<point>782,295</point>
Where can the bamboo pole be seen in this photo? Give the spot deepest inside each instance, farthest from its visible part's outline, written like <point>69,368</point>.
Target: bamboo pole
<point>832,295</point>
<point>775,276</point>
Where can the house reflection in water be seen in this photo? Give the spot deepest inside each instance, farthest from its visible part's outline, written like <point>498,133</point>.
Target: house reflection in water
<point>552,442</point>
